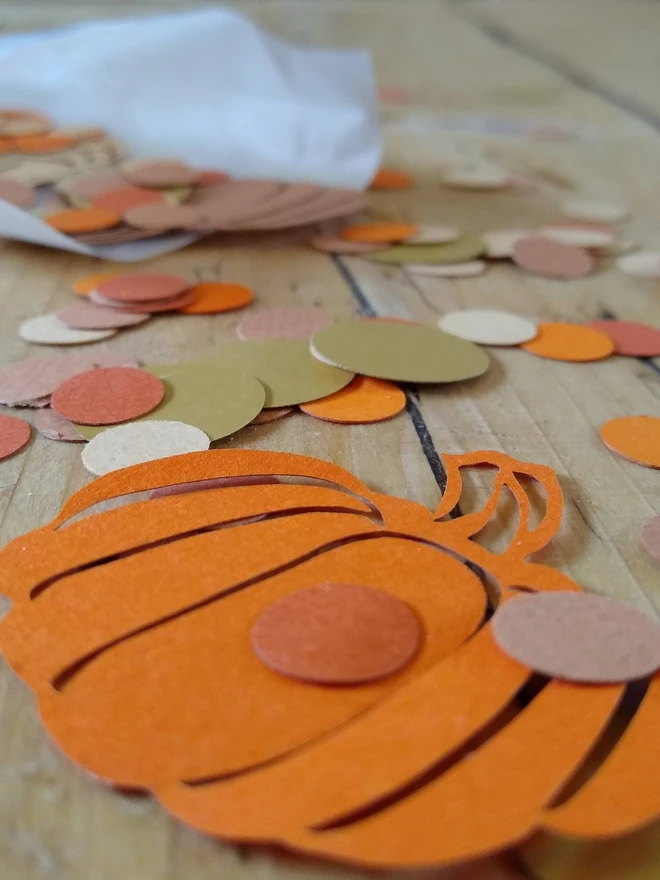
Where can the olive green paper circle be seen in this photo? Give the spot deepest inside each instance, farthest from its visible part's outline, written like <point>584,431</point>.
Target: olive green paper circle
<point>399,352</point>
<point>217,400</point>
<point>464,249</point>
<point>285,367</point>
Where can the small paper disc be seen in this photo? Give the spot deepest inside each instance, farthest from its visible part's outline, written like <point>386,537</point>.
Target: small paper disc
<point>136,442</point>
<point>108,396</point>
<point>47,330</point>
<point>362,402</point>
<point>488,327</point>
<point>283,324</point>
<point>636,438</point>
<point>569,342</point>
<point>14,434</point>
<point>552,259</point>
<point>630,338</point>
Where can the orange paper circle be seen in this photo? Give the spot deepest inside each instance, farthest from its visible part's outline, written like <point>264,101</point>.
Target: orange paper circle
<point>83,220</point>
<point>217,296</point>
<point>337,634</point>
<point>378,232</point>
<point>14,434</point>
<point>363,401</point>
<point>389,178</point>
<point>42,143</point>
<point>108,396</point>
<point>636,438</point>
<point>569,342</point>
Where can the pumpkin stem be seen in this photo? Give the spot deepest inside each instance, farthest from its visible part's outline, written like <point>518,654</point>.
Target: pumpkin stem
<point>527,539</point>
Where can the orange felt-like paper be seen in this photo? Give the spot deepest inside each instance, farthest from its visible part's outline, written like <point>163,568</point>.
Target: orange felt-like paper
<point>152,605</point>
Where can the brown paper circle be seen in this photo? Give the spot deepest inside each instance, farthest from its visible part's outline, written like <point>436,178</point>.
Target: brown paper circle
<point>337,634</point>
<point>162,217</point>
<point>90,317</point>
<point>135,289</point>
<point>108,396</point>
<point>578,637</point>
<point>14,435</point>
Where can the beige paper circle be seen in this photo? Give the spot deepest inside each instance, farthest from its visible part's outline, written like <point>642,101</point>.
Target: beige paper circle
<point>285,367</point>
<point>578,637</point>
<point>451,270</point>
<point>488,327</point>
<point>643,264</point>
<point>585,237</point>
<point>465,248</point>
<point>435,235</point>
<point>480,177</point>
<point>216,399</point>
<point>47,330</point>
<point>500,242</point>
<point>137,442</point>
<point>399,352</point>
<point>592,210</point>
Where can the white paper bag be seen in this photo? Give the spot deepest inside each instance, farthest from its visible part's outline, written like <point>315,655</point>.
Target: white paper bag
<point>208,87</point>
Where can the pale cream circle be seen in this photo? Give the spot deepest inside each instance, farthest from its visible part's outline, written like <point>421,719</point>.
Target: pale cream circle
<point>488,326</point>
<point>477,177</point>
<point>137,442</point>
<point>48,330</point>
<point>435,235</point>
<point>642,264</point>
<point>449,270</point>
<point>594,210</point>
<point>589,238</point>
<point>499,243</point>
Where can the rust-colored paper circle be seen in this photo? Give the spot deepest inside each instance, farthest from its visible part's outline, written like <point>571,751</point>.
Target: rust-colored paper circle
<point>19,194</point>
<point>283,324</point>
<point>88,316</point>
<point>217,296</point>
<point>220,202</point>
<point>95,185</point>
<point>124,198</point>
<point>552,259</point>
<point>84,286</point>
<point>14,434</point>
<point>331,245</point>
<point>54,426</point>
<point>363,401</point>
<point>631,338</point>
<point>135,289</point>
<point>272,415</point>
<point>579,637</point>
<point>650,537</point>
<point>159,173</point>
<point>207,178</point>
<point>173,304</point>
<point>391,179</point>
<point>569,342</point>
<point>378,233</point>
<point>108,396</point>
<point>162,217</point>
<point>636,438</point>
<point>82,220</point>
<point>337,634</point>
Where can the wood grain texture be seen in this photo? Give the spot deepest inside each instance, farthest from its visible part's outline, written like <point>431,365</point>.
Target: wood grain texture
<point>57,823</point>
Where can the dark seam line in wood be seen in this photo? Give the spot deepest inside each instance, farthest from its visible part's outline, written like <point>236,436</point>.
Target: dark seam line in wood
<point>431,455</point>
<point>568,72</point>
<point>647,361</point>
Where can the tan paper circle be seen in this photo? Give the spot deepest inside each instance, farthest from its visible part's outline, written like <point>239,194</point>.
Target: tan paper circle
<point>450,270</point>
<point>162,217</point>
<point>593,210</point>
<point>330,245</point>
<point>216,399</point>
<point>137,442</point>
<point>578,637</point>
<point>480,177</point>
<point>468,247</point>
<point>285,367</point>
<point>283,323</point>
<point>399,352</point>
<point>580,237</point>
<point>87,316</point>
<point>488,327</point>
<point>552,259</point>
<point>47,330</point>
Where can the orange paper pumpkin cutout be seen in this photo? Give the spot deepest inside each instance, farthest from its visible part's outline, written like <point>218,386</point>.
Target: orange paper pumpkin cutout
<point>134,627</point>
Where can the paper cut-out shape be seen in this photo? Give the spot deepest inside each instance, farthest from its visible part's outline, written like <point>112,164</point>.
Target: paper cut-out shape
<point>636,438</point>
<point>153,605</point>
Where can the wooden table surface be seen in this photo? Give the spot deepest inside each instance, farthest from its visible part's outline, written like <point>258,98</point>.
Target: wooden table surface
<point>460,62</point>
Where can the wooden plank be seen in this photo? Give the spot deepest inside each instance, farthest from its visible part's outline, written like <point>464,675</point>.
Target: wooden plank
<point>53,820</point>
